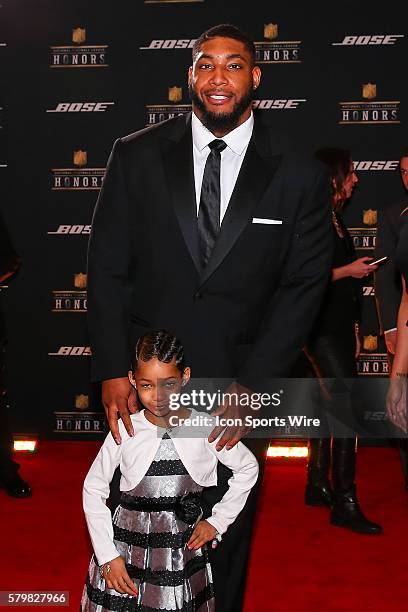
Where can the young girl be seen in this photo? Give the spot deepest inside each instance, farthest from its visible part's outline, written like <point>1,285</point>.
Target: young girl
<point>152,556</point>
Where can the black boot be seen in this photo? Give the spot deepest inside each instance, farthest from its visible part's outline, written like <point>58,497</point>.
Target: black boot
<point>318,491</point>
<point>346,510</point>
<point>16,487</point>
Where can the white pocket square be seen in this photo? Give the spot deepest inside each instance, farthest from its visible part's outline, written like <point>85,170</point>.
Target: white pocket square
<point>267,221</point>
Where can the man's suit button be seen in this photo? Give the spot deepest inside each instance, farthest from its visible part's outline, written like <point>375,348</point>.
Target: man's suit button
<point>198,295</point>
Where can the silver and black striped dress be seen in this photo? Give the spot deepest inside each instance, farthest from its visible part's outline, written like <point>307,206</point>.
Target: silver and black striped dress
<point>152,539</point>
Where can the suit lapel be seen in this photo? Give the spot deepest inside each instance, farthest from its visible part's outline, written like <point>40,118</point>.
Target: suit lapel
<point>255,174</point>
<point>177,153</point>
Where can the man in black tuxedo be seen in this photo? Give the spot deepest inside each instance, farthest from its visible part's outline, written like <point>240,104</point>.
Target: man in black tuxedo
<point>208,225</point>
<point>388,286</point>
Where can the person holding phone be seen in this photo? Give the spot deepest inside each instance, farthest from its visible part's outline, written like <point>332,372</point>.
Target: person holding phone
<point>332,350</point>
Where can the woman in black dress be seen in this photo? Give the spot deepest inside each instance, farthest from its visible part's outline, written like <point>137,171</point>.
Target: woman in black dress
<point>332,350</point>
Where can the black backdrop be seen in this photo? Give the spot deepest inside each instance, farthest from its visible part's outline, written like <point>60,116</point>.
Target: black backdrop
<point>76,75</point>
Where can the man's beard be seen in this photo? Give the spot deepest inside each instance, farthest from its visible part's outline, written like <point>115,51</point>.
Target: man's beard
<point>221,122</point>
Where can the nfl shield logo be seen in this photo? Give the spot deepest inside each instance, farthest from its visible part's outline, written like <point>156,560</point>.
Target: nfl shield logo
<point>270,31</point>
<point>80,280</point>
<point>369,91</point>
<point>370,217</point>
<point>80,158</point>
<point>370,343</point>
<point>81,402</point>
<point>78,35</point>
<point>175,94</point>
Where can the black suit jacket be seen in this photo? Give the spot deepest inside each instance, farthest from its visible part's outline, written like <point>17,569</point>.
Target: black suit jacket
<point>341,306</point>
<point>388,285</point>
<point>248,313</point>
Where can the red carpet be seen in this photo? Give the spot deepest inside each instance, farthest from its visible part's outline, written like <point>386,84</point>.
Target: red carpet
<point>298,561</point>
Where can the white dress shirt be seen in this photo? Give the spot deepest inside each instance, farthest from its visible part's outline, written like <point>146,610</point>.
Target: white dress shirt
<point>135,455</point>
<point>231,157</point>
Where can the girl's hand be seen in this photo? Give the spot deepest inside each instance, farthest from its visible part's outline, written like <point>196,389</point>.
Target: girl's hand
<point>360,268</point>
<point>203,533</point>
<point>118,578</point>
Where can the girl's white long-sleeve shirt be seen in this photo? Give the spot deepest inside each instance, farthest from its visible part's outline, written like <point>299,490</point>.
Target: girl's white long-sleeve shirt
<point>134,457</point>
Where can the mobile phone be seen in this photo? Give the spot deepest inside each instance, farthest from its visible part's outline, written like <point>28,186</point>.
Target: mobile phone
<point>377,261</point>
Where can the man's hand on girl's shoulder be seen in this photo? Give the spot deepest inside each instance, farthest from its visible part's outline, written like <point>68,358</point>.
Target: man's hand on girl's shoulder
<point>118,396</point>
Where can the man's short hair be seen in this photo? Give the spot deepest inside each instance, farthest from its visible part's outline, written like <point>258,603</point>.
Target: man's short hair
<point>225,30</point>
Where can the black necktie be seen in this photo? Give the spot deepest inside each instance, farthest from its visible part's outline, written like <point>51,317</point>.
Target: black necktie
<point>209,211</point>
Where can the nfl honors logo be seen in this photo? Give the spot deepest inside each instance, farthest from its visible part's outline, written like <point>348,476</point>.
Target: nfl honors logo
<point>370,217</point>
<point>156,113</point>
<point>79,178</point>
<point>80,280</point>
<point>78,55</point>
<point>80,158</point>
<point>370,343</point>
<point>82,402</point>
<point>370,362</point>
<point>82,420</point>
<point>272,51</point>
<point>271,31</point>
<point>369,111</point>
<point>71,300</point>
<point>369,91</point>
<point>78,35</point>
<point>364,237</point>
<point>175,94</point>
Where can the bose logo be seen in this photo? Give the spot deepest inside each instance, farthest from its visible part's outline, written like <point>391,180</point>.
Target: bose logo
<point>378,39</point>
<point>81,107</point>
<point>277,104</point>
<point>182,43</point>
<point>72,351</point>
<point>376,165</point>
<point>72,229</point>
